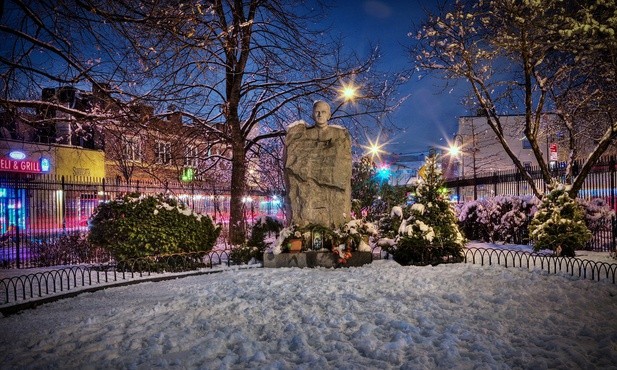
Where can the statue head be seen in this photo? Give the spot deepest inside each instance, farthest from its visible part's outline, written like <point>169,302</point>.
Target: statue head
<point>321,113</point>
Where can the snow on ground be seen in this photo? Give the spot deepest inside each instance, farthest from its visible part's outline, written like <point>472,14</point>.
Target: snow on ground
<point>378,316</point>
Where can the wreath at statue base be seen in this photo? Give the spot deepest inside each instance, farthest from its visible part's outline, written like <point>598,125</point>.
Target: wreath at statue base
<point>313,259</point>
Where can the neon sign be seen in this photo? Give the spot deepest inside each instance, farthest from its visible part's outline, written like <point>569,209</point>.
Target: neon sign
<point>17,155</point>
<point>45,165</point>
<point>24,165</point>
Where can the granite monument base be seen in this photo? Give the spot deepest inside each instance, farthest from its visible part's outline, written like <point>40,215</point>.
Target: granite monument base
<point>315,259</point>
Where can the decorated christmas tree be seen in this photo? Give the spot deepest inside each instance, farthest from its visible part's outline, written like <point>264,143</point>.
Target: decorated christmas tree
<point>559,224</point>
<point>428,232</point>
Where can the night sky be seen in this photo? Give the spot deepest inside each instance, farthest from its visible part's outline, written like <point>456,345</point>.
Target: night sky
<point>429,116</point>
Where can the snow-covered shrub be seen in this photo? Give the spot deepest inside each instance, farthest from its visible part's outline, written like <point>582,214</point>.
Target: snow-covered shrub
<point>559,223</point>
<point>510,217</point>
<point>256,245</point>
<point>427,231</point>
<point>356,234</point>
<point>470,217</point>
<point>502,218</point>
<point>137,226</point>
<point>243,254</point>
<point>598,214</point>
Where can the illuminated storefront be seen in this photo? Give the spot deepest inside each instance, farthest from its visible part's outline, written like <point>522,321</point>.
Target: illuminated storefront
<point>22,162</point>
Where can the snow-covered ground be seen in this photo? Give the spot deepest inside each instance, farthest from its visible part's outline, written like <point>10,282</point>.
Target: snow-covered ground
<point>378,316</point>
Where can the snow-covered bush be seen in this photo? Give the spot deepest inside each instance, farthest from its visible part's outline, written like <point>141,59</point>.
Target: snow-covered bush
<point>502,218</point>
<point>598,214</point>
<point>357,234</point>
<point>471,219</point>
<point>559,223</point>
<point>70,248</point>
<point>256,245</point>
<point>137,226</point>
<point>427,230</point>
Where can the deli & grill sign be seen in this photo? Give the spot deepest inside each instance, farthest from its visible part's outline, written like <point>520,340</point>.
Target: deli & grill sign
<point>24,165</point>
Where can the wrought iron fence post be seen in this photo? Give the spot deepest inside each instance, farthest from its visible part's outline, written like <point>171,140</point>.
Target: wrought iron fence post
<point>613,169</point>
<point>614,232</point>
<point>63,198</point>
<point>17,224</point>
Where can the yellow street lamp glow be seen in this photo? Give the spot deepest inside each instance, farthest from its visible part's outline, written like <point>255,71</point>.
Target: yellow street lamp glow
<point>348,92</point>
<point>454,150</point>
<point>374,149</point>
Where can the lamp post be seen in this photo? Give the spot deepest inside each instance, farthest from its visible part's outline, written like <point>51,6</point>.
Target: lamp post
<point>456,150</point>
<point>347,93</point>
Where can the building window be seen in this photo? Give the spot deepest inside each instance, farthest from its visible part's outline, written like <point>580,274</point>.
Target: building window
<point>131,149</point>
<point>162,152</point>
<point>191,157</point>
<point>526,144</point>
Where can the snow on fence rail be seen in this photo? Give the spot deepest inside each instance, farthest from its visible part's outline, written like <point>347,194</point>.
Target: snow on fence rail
<point>572,266</point>
<point>62,281</point>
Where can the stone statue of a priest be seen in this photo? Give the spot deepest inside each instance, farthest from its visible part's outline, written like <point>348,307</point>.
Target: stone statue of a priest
<point>318,171</point>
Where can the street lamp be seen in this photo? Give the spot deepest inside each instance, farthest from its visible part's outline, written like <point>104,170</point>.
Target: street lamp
<point>456,150</point>
<point>347,93</point>
<point>374,149</point>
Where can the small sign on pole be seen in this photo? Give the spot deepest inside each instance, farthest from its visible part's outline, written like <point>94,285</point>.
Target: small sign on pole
<point>553,152</point>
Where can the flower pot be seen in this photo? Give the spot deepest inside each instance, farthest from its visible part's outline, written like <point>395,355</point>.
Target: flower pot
<point>295,245</point>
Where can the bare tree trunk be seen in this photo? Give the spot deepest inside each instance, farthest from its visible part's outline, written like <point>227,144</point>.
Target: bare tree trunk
<point>237,232</point>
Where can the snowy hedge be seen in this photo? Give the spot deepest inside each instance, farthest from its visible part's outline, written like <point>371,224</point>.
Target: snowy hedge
<point>137,226</point>
<point>502,218</point>
<point>507,218</point>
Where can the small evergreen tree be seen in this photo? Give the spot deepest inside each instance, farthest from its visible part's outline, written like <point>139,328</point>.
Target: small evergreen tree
<point>428,232</point>
<point>364,187</point>
<point>559,224</point>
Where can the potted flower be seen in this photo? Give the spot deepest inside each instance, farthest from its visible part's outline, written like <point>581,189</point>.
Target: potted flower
<point>295,245</point>
<point>290,240</point>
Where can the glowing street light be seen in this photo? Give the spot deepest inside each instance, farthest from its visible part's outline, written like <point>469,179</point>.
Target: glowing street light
<point>456,151</point>
<point>375,149</point>
<point>346,93</point>
<point>349,92</point>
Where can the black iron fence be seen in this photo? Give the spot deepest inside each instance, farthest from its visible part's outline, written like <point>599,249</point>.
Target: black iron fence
<point>76,279</point>
<point>40,215</point>
<point>601,182</point>
<point>29,290</point>
<point>572,266</point>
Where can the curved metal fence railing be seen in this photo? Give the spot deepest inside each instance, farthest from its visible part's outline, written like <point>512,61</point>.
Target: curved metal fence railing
<point>51,282</point>
<point>581,268</point>
<point>62,281</point>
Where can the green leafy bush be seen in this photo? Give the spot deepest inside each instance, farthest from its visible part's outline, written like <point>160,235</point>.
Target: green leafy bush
<point>134,227</point>
<point>256,244</point>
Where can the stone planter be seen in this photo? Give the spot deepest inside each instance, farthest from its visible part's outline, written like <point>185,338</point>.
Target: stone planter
<point>315,259</point>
